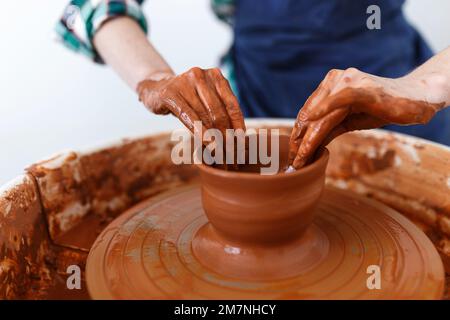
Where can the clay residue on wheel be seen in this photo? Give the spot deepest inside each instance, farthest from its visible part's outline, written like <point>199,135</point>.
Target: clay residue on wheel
<point>66,202</point>
<point>82,192</point>
<point>24,245</point>
<point>405,173</point>
<point>160,250</point>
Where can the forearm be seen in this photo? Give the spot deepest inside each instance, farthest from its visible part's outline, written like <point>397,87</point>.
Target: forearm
<point>124,46</point>
<point>434,75</point>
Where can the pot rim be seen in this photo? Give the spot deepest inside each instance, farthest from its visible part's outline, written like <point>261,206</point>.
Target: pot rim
<point>322,160</point>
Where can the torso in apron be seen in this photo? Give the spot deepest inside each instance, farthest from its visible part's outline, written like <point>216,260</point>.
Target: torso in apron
<point>283,49</point>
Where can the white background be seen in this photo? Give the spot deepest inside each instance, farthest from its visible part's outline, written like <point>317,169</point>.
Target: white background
<point>52,100</point>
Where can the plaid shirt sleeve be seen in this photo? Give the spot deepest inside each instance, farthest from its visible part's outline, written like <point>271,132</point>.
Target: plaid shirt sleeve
<point>82,18</point>
<point>224,10</point>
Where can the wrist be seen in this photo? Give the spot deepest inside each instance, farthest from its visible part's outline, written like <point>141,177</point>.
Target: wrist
<point>439,86</point>
<point>158,75</point>
<point>434,85</point>
<point>155,76</point>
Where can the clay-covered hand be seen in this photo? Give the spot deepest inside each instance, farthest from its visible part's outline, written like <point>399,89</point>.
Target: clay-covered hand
<point>196,95</point>
<point>349,100</point>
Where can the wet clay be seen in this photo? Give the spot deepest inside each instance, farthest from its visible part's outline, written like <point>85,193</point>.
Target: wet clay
<point>245,235</point>
<point>250,208</point>
<point>260,216</point>
<point>414,181</point>
<point>282,151</point>
<point>51,216</point>
<point>147,253</point>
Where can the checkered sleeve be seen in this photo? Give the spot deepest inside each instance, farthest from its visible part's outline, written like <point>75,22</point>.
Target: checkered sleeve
<point>224,10</point>
<point>82,18</point>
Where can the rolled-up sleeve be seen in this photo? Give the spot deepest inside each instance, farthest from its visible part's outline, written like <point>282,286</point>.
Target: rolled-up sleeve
<point>82,18</point>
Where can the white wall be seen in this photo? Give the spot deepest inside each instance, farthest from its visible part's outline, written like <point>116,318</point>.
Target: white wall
<point>431,18</point>
<point>51,99</point>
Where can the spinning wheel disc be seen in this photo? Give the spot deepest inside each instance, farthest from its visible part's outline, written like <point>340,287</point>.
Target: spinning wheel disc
<point>146,253</point>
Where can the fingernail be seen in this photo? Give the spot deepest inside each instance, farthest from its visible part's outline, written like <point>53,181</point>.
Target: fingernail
<point>290,169</point>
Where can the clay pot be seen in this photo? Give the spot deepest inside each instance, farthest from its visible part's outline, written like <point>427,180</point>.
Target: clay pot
<point>251,207</point>
<point>259,219</point>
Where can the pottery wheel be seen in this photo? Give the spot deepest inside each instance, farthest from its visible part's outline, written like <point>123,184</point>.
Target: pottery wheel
<point>146,253</point>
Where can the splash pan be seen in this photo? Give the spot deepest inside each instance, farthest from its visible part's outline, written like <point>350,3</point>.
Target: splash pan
<point>52,214</point>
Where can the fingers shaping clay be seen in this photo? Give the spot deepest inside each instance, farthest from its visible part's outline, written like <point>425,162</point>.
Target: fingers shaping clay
<point>241,235</point>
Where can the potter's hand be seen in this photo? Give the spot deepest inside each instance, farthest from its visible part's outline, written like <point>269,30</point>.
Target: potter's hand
<point>349,100</point>
<point>196,95</point>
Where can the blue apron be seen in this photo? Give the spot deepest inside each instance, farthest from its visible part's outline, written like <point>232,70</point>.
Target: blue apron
<point>283,48</point>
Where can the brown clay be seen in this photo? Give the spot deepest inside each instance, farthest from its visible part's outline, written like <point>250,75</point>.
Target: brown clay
<point>414,181</point>
<point>262,218</point>
<point>146,253</point>
<point>261,242</point>
<point>251,208</point>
